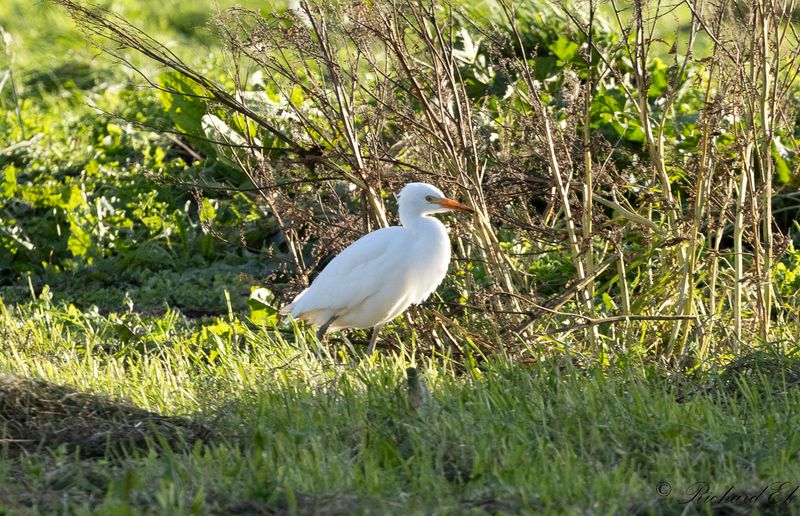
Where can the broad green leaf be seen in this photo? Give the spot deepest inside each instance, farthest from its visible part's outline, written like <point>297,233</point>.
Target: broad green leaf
<point>261,309</point>
<point>73,198</point>
<point>9,185</point>
<point>781,168</point>
<point>182,103</point>
<point>564,49</point>
<point>80,241</point>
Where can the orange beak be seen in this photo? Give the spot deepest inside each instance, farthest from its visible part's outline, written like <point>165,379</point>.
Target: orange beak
<point>450,204</point>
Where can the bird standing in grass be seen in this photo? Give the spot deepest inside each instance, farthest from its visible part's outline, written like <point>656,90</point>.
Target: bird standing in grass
<point>381,274</point>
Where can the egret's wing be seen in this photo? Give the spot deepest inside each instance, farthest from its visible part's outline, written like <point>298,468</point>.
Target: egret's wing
<point>355,274</point>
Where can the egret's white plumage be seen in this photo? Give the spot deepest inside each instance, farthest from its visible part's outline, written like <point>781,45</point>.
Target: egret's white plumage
<point>381,274</point>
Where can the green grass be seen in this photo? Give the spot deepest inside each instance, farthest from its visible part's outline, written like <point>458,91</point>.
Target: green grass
<point>288,432</point>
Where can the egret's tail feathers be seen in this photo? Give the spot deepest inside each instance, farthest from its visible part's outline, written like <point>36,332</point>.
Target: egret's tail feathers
<point>287,309</point>
<point>316,317</point>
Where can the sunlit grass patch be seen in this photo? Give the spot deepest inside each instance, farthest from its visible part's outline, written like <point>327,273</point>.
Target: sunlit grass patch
<point>287,431</point>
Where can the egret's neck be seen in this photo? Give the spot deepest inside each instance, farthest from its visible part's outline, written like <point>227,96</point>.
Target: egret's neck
<point>417,223</point>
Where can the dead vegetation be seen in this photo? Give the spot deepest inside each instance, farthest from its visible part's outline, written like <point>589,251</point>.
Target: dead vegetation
<point>647,169</point>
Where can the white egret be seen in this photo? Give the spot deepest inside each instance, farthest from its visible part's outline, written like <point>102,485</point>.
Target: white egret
<point>381,274</point>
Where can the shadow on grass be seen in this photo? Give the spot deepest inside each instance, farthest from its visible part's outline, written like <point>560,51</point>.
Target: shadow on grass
<point>36,415</point>
<point>760,373</point>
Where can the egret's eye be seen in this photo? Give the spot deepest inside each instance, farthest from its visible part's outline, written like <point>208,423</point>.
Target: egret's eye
<point>429,198</point>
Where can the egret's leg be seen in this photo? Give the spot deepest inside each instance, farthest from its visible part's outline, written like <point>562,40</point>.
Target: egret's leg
<point>324,328</point>
<point>373,339</point>
<point>321,336</point>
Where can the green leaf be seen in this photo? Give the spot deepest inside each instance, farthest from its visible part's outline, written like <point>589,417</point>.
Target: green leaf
<point>564,49</point>
<point>182,103</point>
<point>261,309</point>
<point>781,168</point>
<point>207,212</point>
<point>608,303</point>
<point>9,185</point>
<point>123,332</point>
<point>73,199</point>
<point>245,126</point>
<point>220,328</point>
<point>113,129</point>
<point>658,78</point>
<point>79,242</point>
<point>297,96</point>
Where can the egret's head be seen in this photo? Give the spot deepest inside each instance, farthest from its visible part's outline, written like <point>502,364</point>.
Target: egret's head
<point>425,199</point>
